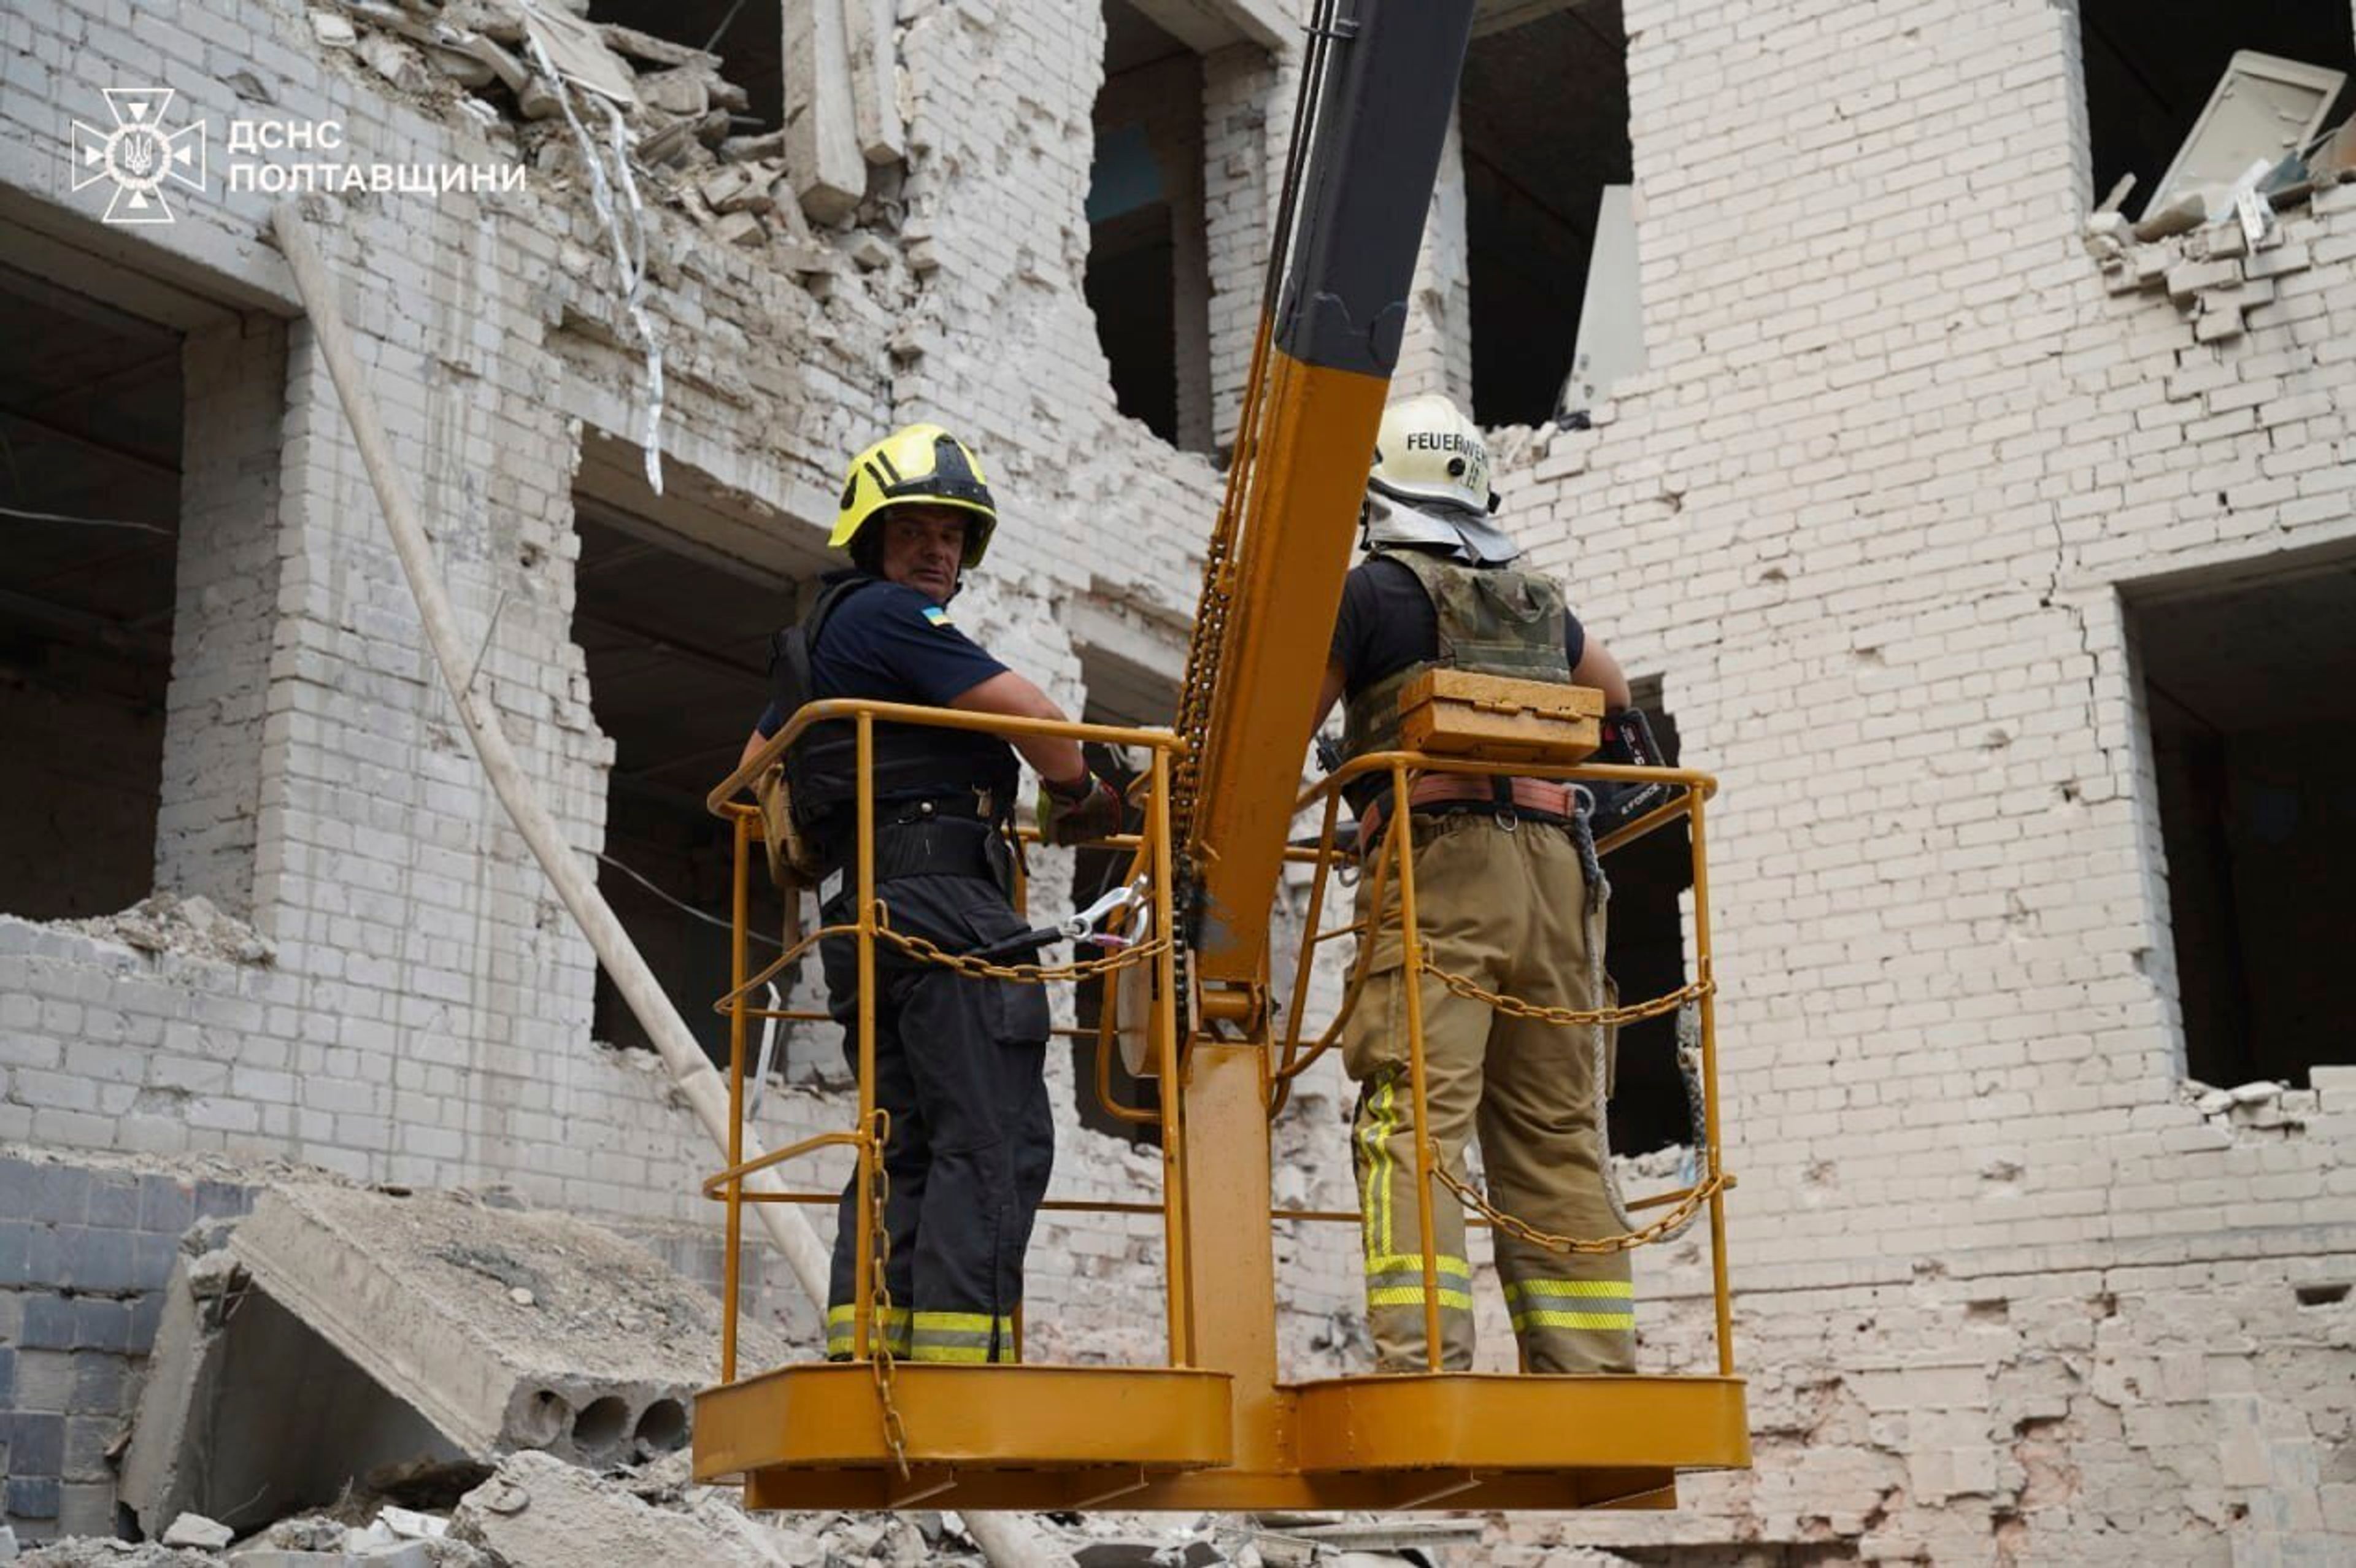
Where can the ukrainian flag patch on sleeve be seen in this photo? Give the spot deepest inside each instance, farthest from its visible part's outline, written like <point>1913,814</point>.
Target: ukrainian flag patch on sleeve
<point>935,616</point>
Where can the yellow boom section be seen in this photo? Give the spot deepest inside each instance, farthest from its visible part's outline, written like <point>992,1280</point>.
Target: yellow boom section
<point>1378,84</point>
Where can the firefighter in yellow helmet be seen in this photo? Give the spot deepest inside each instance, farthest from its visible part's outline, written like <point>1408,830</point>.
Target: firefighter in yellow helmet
<point>958,1061</point>
<point>1507,893</point>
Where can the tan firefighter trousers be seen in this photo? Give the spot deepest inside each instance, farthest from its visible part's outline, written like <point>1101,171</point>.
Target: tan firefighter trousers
<point>1507,908</point>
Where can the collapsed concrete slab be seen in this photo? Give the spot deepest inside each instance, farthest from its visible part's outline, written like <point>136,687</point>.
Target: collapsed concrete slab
<point>507,1329</point>
<point>247,1412</point>
<point>409,1341</point>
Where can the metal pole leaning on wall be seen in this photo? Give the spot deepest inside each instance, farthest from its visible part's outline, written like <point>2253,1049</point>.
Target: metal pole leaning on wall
<point>1008,1542</point>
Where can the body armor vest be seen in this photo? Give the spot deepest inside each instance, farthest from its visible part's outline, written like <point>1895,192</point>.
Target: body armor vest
<point>1492,620</point>
<point>911,762</point>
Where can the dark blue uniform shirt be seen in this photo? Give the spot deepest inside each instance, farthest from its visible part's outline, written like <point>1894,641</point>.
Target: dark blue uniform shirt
<point>891,642</point>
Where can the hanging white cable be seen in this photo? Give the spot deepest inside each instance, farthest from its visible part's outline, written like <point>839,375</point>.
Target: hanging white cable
<point>630,251</point>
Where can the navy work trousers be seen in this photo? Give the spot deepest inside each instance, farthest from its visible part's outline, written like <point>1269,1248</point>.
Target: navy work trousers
<point>960,1066</point>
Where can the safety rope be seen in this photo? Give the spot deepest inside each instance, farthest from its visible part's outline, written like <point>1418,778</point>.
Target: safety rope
<point>879,1328</point>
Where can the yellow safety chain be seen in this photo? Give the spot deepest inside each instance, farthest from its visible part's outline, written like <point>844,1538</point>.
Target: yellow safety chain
<point>916,947</point>
<point>1610,1017</point>
<point>1680,1213</point>
<point>878,1329</point>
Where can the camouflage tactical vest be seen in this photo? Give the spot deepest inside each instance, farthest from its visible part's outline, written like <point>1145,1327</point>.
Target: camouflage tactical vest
<point>1494,620</point>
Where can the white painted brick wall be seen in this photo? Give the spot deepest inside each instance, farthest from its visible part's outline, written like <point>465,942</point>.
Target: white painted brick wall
<point>2002,1292</point>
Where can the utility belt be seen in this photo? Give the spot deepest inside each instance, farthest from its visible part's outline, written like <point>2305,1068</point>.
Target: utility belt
<point>1565,805</point>
<point>938,837</point>
<point>1530,800</point>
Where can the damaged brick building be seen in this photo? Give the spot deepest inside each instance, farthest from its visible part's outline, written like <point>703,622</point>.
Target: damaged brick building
<point>2003,575</point>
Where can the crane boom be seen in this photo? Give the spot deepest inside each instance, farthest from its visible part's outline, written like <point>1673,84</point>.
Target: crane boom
<point>1380,84</point>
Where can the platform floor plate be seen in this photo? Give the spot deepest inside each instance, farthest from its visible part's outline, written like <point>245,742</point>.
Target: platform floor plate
<point>1032,1417</point>
<point>1067,1438</point>
<point>1494,1422</point>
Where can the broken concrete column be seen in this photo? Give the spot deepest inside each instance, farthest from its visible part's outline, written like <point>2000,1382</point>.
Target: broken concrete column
<point>875,79</point>
<point>823,154</point>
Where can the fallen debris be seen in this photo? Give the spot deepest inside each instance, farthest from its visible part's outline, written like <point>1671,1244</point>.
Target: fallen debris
<point>78,1551</point>
<point>195,1530</point>
<point>191,927</point>
<point>537,1511</point>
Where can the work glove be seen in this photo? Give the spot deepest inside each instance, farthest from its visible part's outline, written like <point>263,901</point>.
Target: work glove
<point>1080,812</point>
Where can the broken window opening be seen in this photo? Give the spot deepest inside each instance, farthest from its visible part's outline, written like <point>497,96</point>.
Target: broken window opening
<point>1548,225</point>
<point>2249,690</point>
<point>2152,66</point>
<point>1646,952</point>
<point>748,35</point>
<point>1148,278</point>
<point>677,648</point>
<point>90,412</point>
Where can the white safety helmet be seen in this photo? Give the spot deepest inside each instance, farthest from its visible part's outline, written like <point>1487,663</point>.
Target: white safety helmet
<point>1430,484</point>
<point>1427,452</point>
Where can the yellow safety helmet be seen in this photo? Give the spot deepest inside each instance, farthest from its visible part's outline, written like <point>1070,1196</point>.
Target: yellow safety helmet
<point>1427,451</point>
<point>917,464</point>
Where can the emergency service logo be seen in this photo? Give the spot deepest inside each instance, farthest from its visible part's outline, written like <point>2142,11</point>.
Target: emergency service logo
<point>139,154</point>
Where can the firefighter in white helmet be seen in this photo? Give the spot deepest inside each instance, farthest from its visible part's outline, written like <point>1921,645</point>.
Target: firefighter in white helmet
<point>1507,893</point>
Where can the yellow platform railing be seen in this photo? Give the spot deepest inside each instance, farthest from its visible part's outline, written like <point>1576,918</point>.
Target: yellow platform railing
<point>870,1132</point>
<point>1354,1441</point>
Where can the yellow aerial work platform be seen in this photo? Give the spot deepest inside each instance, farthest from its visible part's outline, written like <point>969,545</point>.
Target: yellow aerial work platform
<point>1217,1426</point>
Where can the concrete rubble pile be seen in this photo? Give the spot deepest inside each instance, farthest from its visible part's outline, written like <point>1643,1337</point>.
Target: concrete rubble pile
<point>189,927</point>
<point>537,1511</point>
<point>379,1378</point>
<point>542,70</point>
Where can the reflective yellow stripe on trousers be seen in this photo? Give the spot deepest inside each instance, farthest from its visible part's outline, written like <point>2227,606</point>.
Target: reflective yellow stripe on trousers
<point>1395,1278</point>
<point>960,1336</point>
<point>839,1332</point>
<point>1603,1304</point>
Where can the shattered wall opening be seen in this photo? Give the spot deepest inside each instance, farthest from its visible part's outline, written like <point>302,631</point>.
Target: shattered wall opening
<point>676,641</point>
<point>2152,65</point>
<point>748,37</point>
<point>91,415</point>
<point>1544,115</point>
<point>1148,263</point>
<point>1647,958</point>
<point>2249,687</point>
